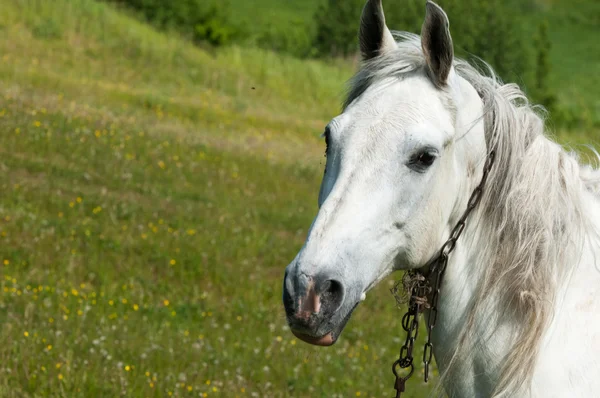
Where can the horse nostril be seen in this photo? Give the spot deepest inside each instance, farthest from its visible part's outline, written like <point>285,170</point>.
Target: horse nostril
<point>288,301</point>
<point>332,295</point>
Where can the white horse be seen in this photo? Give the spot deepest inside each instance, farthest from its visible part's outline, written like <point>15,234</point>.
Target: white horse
<point>519,307</point>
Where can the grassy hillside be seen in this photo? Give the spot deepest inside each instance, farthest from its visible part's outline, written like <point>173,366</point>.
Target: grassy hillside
<point>152,194</point>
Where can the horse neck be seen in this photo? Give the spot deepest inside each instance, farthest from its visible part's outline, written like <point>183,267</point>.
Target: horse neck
<point>458,293</point>
<point>492,327</point>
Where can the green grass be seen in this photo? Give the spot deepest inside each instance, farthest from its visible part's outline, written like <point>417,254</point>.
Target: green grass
<point>150,202</point>
<point>152,194</point>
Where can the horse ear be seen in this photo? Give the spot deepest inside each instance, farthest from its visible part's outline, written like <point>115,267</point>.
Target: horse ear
<point>375,37</point>
<point>437,43</point>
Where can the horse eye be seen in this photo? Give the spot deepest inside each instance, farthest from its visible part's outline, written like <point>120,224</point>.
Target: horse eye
<point>426,159</point>
<point>421,161</point>
<point>327,139</point>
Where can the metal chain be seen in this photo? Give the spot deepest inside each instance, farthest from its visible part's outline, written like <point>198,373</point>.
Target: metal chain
<point>450,244</point>
<point>410,324</point>
<point>421,288</point>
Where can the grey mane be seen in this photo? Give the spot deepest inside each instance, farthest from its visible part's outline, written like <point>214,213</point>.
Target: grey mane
<point>532,217</point>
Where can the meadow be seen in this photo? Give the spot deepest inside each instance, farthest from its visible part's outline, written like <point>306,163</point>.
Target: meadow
<point>152,193</point>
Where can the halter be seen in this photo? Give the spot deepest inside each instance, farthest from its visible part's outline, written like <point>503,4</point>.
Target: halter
<point>423,285</point>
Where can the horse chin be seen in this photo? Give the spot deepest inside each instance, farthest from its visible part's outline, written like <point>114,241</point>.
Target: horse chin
<point>322,341</point>
<point>328,338</point>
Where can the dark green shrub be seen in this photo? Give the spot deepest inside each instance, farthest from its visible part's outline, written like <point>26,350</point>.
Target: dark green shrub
<point>213,27</point>
<point>337,23</point>
<point>193,18</point>
<point>296,40</point>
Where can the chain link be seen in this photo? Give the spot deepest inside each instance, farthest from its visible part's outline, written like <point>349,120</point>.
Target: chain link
<point>427,284</point>
<point>410,324</point>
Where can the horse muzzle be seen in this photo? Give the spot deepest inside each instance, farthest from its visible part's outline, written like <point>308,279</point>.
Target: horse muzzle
<point>316,307</point>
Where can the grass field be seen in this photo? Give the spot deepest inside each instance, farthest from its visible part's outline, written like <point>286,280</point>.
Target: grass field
<point>150,201</point>
<point>152,194</point>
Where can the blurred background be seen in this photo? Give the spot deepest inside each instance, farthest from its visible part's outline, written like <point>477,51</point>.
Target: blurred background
<point>159,167</point>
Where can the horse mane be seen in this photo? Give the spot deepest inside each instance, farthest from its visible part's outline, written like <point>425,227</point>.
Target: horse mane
<point>531,217</point>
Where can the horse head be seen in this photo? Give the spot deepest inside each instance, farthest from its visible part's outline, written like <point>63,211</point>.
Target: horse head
<point>402,159</point>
